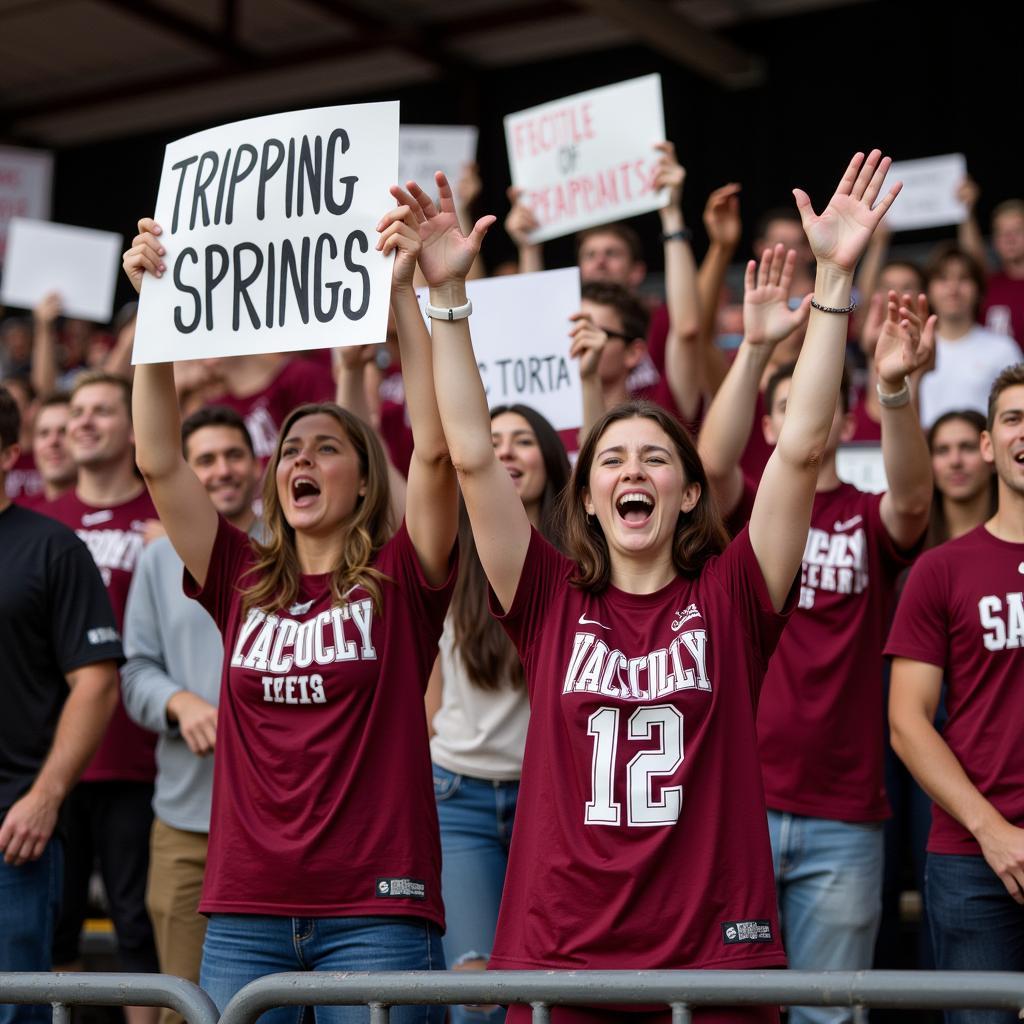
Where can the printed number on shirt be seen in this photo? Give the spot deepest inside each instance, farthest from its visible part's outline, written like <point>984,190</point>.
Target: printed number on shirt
<point>642,770</point>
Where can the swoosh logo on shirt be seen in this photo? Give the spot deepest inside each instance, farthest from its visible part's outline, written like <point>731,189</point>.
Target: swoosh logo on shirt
<point>1020,568</point>
<point>849,524</point>
<point>584,621</point>
<point>300,609</point>
<point>95,518</point>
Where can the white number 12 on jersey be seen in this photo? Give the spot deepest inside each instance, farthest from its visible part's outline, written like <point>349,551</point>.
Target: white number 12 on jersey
<point>641,807</point>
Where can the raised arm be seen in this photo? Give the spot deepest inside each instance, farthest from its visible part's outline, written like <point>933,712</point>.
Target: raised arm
<point>44,344</point>
<point>724,227</point>
<point>519,225</point>
<point>838,237</point>
<point>905,344</point>
<point>767,319</point>
<point>968,232</point>
<point>588,342</point>
<point>683,361</point>
<point>431,510</point>
<point>181,500</point>
<point>913,698</point>
<point>501,528</point>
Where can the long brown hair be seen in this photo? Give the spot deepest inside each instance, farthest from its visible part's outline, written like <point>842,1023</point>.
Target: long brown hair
<point>276,573</point>
<point>488,655</point>
<point>699,534</point>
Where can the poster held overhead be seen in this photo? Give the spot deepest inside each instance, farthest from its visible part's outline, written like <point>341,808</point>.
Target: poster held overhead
<point>928,198</point>
<point>589,159</point>
<point>426,148</point>
<point>520,326</point>
<point>79,264</point>
<point>270,230</point>
<point>25,179</point>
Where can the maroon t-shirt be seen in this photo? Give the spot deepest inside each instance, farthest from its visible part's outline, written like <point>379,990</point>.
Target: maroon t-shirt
<point>758,451</point>
<point>24,483</point>
<point>820,720</point>
<point>323,802</point>
<point>641,838</point>
<point>395,426</point>
<point>1002,309</point>
<point>297,382</point>
<point>962,610</point>
<point>114,536</point>
<point>866,428</point>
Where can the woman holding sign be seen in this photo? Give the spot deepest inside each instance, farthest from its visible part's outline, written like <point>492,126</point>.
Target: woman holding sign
<point>641,838</point>
<point>324,851</point>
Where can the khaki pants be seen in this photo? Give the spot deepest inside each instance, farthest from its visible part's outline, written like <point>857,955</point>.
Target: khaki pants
<point>177,861</point>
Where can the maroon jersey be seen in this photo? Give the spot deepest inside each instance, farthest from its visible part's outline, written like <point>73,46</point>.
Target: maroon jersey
<point>820,721</point>
<point>866,429</point>
<point>323,802</point>
<point>758,451</point>
<point>297,382</point>
<point>962,610</point>
<point>114,536</point>
<point>641,837</point>
<point>1002,309</point>
<point>24,483</point>
<point>395,427</point>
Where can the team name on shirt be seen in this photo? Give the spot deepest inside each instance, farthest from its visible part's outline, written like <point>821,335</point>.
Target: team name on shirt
<point>836,562</point>
<point>595,668</point>
<point>1003,621</point>
<point>113,549</point>
<point>276,644</point>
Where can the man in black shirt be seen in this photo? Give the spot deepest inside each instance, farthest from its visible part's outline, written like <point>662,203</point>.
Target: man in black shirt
<point>58,688</point>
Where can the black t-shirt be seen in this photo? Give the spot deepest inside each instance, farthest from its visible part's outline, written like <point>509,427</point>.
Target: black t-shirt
<point>55,617</point>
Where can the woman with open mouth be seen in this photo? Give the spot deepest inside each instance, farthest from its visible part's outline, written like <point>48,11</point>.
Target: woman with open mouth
<point>641,839</point>
<point>324,851</point>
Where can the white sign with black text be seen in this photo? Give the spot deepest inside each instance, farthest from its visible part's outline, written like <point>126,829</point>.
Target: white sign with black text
<point>589,159</point>
<point>270,230</point>
<point>426,148</point>
<point>928,198</point>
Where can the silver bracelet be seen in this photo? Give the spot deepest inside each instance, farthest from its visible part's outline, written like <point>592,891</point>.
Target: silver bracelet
<point>832,309</point>
<point>897,399</point>
<point>449,312</point>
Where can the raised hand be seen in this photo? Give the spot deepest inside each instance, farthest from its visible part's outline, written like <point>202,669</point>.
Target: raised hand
<point>767,318</point>
<point>907,339</point>
<point>145,254</point>
<point>840,234</point>
<point>47,309</point>
<point>968,193</point>
<point>669,173</point>
<point>521,221</point>
<point>446,254</point>
<point>399,233</point>
<point>722,216</point>
<point>588,342</point>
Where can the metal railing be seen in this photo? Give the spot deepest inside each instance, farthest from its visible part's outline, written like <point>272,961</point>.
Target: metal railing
<point>680,991</point>
<point>63,991</point>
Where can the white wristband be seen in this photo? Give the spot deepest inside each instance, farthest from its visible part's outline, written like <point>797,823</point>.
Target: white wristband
<point>449,312</point>
<point>897,399</point>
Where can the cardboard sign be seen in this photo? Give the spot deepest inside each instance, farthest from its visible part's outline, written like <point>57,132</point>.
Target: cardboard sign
<point>79,264</point>
<point>520,327</point>
<point>928,198</point>
<point>270,230</point>
<point>588,159</point>
<point>860,463</point>
<point>426,148</point>
<point>25,177</point>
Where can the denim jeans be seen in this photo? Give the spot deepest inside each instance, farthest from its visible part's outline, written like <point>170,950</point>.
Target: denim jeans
<point>29,904</point>
<point>975,923</point>
<point>829,880</point>
<point>476,818</point>
<point>242,947</point>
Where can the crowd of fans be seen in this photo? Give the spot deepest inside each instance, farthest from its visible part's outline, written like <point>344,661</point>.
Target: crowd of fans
<point>693,747</point>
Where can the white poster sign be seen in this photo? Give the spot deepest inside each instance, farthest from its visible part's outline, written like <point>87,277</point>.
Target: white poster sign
<point>861,464</point>
<point>589,159</point>
<point>79,264</point>
<point>25,178</point>
<point>928,198</point>
<point>270,230</point>
<point>520,326</point>
<point>426,148</point>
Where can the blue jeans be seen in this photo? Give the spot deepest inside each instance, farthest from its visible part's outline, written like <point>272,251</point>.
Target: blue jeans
<point>975,923</point>
<point>476,818</point>
<point>29,904</point>
<point>829,880</point>
<point>242,947</point>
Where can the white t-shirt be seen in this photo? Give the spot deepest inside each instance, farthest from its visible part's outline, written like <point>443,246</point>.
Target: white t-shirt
<point>964,371</point>
<point>480,733</point>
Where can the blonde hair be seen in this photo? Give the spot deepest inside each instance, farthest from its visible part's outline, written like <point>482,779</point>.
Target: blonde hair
<point>276,571</point>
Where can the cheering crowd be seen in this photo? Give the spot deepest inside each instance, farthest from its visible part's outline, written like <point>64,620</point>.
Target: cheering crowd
<point>661,647</point>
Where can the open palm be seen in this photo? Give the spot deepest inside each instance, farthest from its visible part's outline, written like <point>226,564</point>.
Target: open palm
<point>907,338</point>
<point>446,254</point>
<point>840,234</point>
<point>767,318</point>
